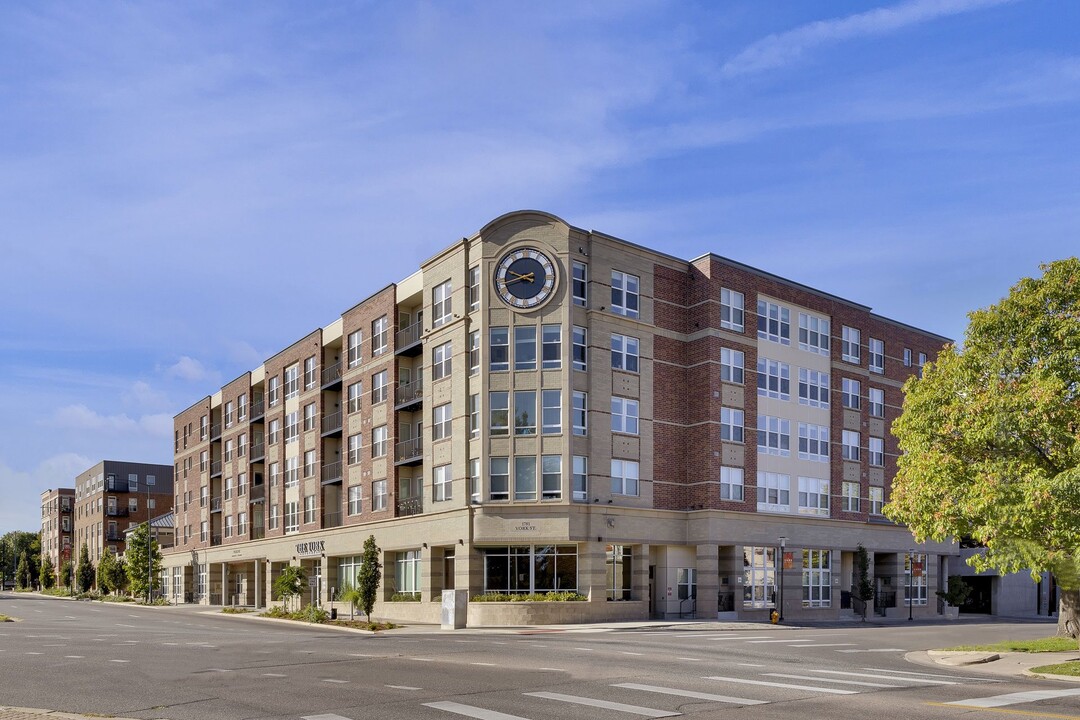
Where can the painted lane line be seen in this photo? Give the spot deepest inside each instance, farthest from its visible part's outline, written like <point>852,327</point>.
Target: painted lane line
<point>585,649</point>
<point>484,664</point>
<point>469,711</point>
<point>591,702</point>
<point>932,675</point>
<point>691,694</point>
<point>119,661</point>
<point>867,676</point>
<point>745,637</point>
<point>325,716</point>
<point>33,653</point>
<point>333,680</point>
<point>360,655</point>
<point>423,659</point>
<point>873,650</point>
<point>811,688</point>
<point>1014,698</point>
<point>274,675</point>
<point>627,652</point>
<point>749,665</point>
<point>691,659</point>
<point>403,687</point>
<point>217,670</point>
<point>552,669</point>
<point>466,641</point>
<point>825,645</point>
<point>788,640</point>
<point>74,657</point>
<point>841,682</point>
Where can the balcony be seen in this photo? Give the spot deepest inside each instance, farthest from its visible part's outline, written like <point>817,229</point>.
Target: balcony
<point>116,512</point>
<point>331,520</point>
<point>331,424</point>
<point>215,432</point>
<point>258,533</point>
<point>407,341</point>
<point>408,396</point>
<point>113,536</point>
<point>409,452</point>
<point>258,452</point>
<point>257,494</point>
<point>65,508</point>
<point>115,485</point>
<point>331,376</point>
<point>215,469</point>
<point>331,473</point>
<point>258,410</point>
<point>215,539</point>
<point>410,506</point>
<point>215,504</point>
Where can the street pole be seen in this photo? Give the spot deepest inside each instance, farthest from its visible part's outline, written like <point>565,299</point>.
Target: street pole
<point>149,549</point>
<point>910,581</point>
<point>780,574</point>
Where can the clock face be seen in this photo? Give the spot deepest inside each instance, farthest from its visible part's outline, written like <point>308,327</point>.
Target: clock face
<point>525,278</point>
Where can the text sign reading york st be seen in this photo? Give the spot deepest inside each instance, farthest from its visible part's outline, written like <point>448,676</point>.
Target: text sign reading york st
<point>315,547</point>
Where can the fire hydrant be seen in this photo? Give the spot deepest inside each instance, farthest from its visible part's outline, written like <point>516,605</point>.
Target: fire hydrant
<point>774,617</point>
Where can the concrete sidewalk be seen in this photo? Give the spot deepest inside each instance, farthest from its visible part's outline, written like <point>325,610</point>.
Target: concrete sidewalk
<point>1001,664</point>
<point>17,713</point>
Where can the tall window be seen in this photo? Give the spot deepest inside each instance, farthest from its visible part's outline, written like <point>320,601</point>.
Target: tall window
<point>624,415</point>
<point>292,471</point>
<point>814,334</point>
<point>624,352</point>
<point>876,399</point>
<point>773,492</point>
<point>474,415</point>
<point>230,415</point>
<point>356,499</point>
<point>759,577</point>
<point>907,357</point>
<point>551,341</point>
<point>551,402</point>
<point>624,294</point>
<point>813,496</point>
<point>407,571</point>
<point>356,342</point>
<point>524,412</point>
<point>915,576</point>
<point>309,463</point>
<point>474,480</point>
<point>499,411</point>
<point>440,361</point>
<point>498,478</point>
<point>292,427</point>
<point>524,478</point>
<point>292,517</point>
<point>525,347</point>
<point>273,390</point>
<point>850,348</point>
<point>474,288</point>
<point>876,450</point>
<point>774,435</point>
<point>817,578</point>
<point>378,495</point>
<point>474,352</point>
<point>731,483</point>
<point>850,445</point>
<point>442,486</point>
<point>851,393</point>
<point>877,500</point>
<point>292,381</point>
<point>813,442</point>
<point>686,583</point>
<point>619,572</point>
<point>580,284</point>
<point>551,477</point>
<point>581,478</point>
<point>731,424</point>
<point>309,508</point>
<point>876,348</point>
<point>579,417</point>
<point>499,348</point>
<point>849,496</point>
<point>309,417</point>
<point>442,422</point>
<point>441,305</point>
<point>356,393</point>
<point>379,436</point>
<point>732,365</point>
<point>773,322</point>
<point>774,379</point>
<point>228,450</point>
<point>241,407</point>
<point>580,348</point>
<point>624,477</point>
<point>378,387</point>
<point>380,335</point>
<point>731,310</point>
<point>355,447</point>
<point>310,376</point>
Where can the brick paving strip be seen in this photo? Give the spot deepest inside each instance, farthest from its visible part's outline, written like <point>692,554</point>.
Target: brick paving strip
<point>17,713</point>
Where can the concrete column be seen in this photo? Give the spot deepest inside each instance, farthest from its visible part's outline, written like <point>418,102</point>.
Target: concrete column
<point>257,564</point>
<point>429,573</point>
<point>639,566</point>
<point>224,584</point>
<point>592,571</point>
<point>708,581</point>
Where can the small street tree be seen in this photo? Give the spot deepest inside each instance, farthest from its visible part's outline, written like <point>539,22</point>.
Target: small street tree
<point>65,573</point>
<point>108,560</point>
<point>290,583</point>
<point>370,576</point>
<point>863,589</point>
<point>142,561</point>
<point>990,435</point>
<point>84,573</point>
<point>23,577</point>
<point>47,573</point>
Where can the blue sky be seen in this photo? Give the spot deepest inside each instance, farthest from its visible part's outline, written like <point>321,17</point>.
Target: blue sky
<point>163,163</point>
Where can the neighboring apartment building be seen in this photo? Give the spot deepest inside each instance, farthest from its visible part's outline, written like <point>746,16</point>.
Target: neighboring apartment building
<point>540,408</point>
<point>113,496</point>
<point>57,524</point>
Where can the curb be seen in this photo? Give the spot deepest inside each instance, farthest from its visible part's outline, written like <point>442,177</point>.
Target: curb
<point>14,713</point>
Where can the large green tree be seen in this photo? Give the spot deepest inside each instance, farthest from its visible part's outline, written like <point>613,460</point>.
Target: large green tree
<point>990,437</point>
<point>290,583</point>
<point>111,575</point>
<point>47,573</point>
<point>24,578</point>
<point>84,573</point>
<point>369,576</point>
<point>12,546</point>
<point>142,562</point>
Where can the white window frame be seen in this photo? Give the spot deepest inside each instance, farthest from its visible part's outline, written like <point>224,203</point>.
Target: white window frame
<point>877,500</point>
<point>380,436</point>
<point>356,499</point>
<point>525,424</point>
<point>851,393</point>
<point>524,348</point>
<point>759,577</point>
<point>773,492</point>
<point>817,578</point>
<point>311,377</point>
<point>849,496</point>
<point>732,310</point>
<point>551,411</point>
<point>579,413</point>
<point>498,478</point>
<point>550,347</point>
<point>498,413</point>
<point>499,348</point>
<point>442,483</point>
<point>579,283</point>
<point>814,442</point>
<point>732,485</point>
<point>773,379</point>
<point>380,335</point>
<point>378,495</point>
<point>875,349</point>
<point>473,288</point>
<point>732,365</point>
<point>442,417</point>
<point>774,322</point>
<point>580,348</point>
<point>355,448</point>
<point>774,436</point>
<point>580,489</point>
<point>732,425</point>
<point>378,387</point>
<point>814,333</point>
<point>813,388</point>
<point>551,477</point>
<point>625,414</point>
<point>875,398</point>
<point>292,381</point>
<point>625,477</point>
<point>442,306</point>
<point>875,450</point>
<point>441,360</point>
<point>625,353</point>
<point>849,443</point>
<point>813,496</point>
<point>355,348</point>
<point>625,294</point>
<point>525,479</point>
<point>851,345</point>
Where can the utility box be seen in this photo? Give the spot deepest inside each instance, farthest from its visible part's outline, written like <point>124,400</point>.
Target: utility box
<point>455,609</point>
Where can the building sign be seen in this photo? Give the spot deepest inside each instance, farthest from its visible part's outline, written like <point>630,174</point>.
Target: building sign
<point>525,527</point>
<point>314,547</point>
<point>916,568</point>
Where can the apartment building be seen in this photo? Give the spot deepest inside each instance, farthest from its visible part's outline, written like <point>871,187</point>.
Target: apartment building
<point>57,524</point>
<point>544,408</point>
<point>113,496</point>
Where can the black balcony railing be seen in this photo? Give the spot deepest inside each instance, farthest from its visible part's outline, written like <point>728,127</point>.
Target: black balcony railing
<point>410,506</point>
<point>409,450</point>
<point>258,533</point>
<point>215,431</point>
<point>215,504</point>
<point>115,485</point>
<point>215,539</point>
<point>331,375</point>
<point>331,423</point>
<point>408,393</point>
<point>258,410</point>
<point>331,473</point>
<point>215,468</point>
<point>331,520</point>
<point>408,339</point>
<point>113,536</point>
<point>258,452</point>
<point>116,511</point>
<point>257,493</point>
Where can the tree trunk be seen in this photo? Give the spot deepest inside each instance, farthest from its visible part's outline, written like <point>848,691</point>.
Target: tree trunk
<point>1069,613</point>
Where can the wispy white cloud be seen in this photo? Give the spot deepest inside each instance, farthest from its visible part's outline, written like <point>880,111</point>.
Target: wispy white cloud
<point>80,417</point>
<point>22,488</point>
<point>187,368</point>
<point>782,48</point>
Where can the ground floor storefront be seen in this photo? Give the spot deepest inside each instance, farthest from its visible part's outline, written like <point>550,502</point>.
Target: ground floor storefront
<point>626,564</point>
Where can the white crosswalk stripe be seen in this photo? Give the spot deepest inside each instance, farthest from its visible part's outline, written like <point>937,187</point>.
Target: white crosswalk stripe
<point>840,682</point>
<point>1015,698</point>
<point>469,711</point>
<point>606,704</point>
<point>691,694</point>
<point>878,676</point>
<point>812,688</point>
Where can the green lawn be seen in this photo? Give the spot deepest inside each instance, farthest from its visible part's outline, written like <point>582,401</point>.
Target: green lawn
<point>5,618</point>
<point>1050,644</point>
<point>1069,668</point>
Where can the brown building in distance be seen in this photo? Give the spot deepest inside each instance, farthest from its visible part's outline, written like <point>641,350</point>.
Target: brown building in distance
<point>544,408</point>
<point>114,495</point>
<point>57,525</point>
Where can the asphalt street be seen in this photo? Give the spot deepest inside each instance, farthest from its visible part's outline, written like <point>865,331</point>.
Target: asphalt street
<point>190,664</point>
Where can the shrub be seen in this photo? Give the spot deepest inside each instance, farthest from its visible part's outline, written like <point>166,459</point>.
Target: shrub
<point>553,596</point>
<point>405,597</point>
<point>314,614</point>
